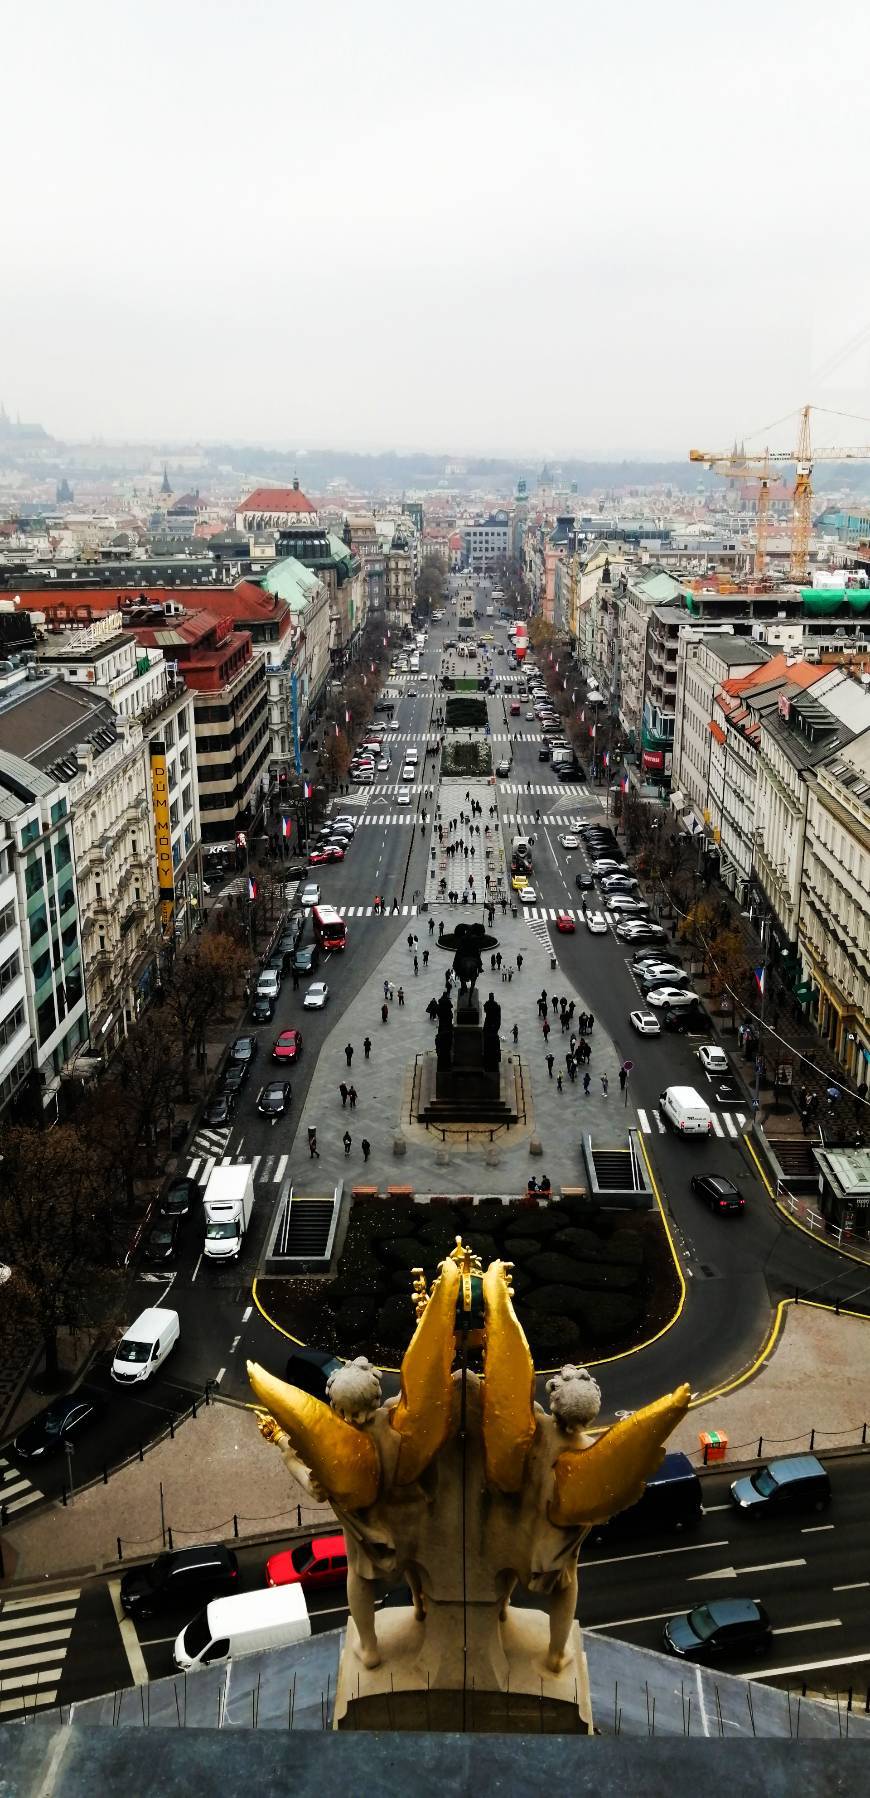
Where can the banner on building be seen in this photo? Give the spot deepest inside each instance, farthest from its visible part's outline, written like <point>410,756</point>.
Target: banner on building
<point>162,832</point>
<point>294,719</point>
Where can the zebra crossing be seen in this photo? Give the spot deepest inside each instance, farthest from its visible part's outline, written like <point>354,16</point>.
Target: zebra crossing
<point>730,1123</point>
<point>565,820</point>
<point>269,1170</point>
<point>497,736</point>
<point>16,1490</point>
<point>34,1639</point>
<point>579,790</point>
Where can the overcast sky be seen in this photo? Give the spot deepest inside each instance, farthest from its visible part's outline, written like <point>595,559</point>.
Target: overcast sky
<point>549,228</point>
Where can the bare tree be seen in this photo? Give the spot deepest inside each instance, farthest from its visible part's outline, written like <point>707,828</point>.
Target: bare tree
<point>199,989</point>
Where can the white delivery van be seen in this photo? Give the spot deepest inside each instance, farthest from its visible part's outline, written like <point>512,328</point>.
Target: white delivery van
<point>685,1111</point>
<point>247,1623</point>
<point>145,1346</point>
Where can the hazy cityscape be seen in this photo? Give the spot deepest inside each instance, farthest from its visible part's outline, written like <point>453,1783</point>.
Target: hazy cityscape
<point>434,856</point>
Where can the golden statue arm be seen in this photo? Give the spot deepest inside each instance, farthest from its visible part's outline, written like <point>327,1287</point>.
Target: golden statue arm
<point>423,1415</point>
<point>343,1460</point>
<point>591,1484</point>
<point>508,1387</point>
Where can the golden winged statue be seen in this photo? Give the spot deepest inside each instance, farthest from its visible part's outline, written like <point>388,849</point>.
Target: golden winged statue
<point>464,1485</point>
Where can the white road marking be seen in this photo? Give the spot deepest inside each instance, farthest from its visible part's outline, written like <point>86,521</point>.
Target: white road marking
<point>815,1529</point>
<point>33,1679</point>
<point>856,1586</point>
<point>716,1124</point>
<point>281,1168</point>
<point>653,1554</point>
<point>9,1669</point>
<point>234,1344</point>
<point>38,1598</point>
<point>733,1572</point>
<point>196,1269</point>
<point>219,1376</point>
<point>794,1629</point>
<point>622,1622</point>
<point>844,1660</point>
<point>246,1313</point>
<point>129,1638</point>
<point>644,1122</point>
<point>39,1617</point>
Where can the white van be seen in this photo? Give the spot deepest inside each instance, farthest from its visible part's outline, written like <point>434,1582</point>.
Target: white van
<point>685,1111</point>
<point>244,1624</point>
<point>145,1346</point>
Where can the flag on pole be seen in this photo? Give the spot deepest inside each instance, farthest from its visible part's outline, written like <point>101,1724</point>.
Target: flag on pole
<point>286,827</point>
<point>307,789</point>
<point>252,888</point>
<point>624,783</point>
<point>759,979</point>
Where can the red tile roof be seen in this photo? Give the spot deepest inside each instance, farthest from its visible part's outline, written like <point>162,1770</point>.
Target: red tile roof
<point>276,499</point>
<point>716,730</point>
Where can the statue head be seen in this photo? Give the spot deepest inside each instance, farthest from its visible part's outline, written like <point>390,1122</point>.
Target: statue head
<point>354,1391</point>
<point>575,1398</point>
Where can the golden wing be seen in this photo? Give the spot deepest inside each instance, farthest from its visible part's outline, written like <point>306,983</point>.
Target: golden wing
<point>593,1483</point>
<point>343,1460</point>
<point>423,1415</point>
<point>508,1386</point>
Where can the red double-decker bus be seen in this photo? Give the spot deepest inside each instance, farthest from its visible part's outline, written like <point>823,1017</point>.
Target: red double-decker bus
<point>330,930</point>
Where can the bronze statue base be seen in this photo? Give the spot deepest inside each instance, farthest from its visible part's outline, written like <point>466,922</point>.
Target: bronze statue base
<point>465,1095</point>
<point>464,1670</point>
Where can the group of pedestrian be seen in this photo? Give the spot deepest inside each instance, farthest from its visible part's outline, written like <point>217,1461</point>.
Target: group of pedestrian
<point>348,1093</point>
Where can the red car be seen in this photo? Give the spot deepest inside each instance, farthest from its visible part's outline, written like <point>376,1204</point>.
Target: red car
<point>334,852</point>
<point>565,923</point>
<point>320,1562</point>
<point>288,1046</point>
<point>316,856</point>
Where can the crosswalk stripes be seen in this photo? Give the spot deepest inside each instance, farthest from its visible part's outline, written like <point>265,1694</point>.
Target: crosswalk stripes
<point>730,1124</point>
<point>269,1170</point>
<point>16,1490</point>
<point>530,788</point>
<point>34,1639</point>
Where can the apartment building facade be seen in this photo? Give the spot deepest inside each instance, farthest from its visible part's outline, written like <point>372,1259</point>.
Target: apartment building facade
<point>834,919</point>
<point>486,544</point>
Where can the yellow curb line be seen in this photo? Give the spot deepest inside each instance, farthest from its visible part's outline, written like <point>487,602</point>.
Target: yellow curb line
<point>795,1221</point>
<point>542,1371</point>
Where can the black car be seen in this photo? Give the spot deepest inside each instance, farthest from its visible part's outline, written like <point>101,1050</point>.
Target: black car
<point>64,1421</point>
<point>569,771</point>
<point>305,959</point>
<point>717,1192</point>
<point>583,882</point>
<point>262,1009</point>
<point>274,1098</point>
<point>721,1627</point>
<point>276,961</point>
<point>682,1019</point>
<point>235,1077</point>
<point>219,1109</point>
<point>671,1500</point>
<point>544,752</point>
<point>188,1578</point>
<point>727,1092</point>
<point>310,1369</point>
<point>244,1049</point>
<point>161,1243</point>
<point>178,1198</point>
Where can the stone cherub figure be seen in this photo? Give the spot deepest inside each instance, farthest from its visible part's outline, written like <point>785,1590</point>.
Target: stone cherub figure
<point>464,1458</point>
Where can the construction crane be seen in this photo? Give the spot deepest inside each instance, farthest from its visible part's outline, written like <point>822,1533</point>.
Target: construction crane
<point>738,465</point>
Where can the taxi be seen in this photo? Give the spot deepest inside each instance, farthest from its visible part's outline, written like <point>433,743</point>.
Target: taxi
<point>518,881</point>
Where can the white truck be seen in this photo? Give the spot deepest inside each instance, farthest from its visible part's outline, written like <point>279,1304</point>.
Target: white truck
<point>228,1201</point>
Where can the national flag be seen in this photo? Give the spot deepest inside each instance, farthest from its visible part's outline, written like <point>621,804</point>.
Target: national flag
<point>624,783</point>
<point>346,715</point>
<point>308,789</point>
<point>286,827</point>
<point>252,887</point>
<point>606,758</point>
<point>759,978</point>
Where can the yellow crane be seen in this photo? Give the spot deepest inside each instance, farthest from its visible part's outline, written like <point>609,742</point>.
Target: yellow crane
<point>737,465</point>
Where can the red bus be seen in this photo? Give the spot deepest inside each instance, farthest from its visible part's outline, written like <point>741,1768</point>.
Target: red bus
<point>330,930</point>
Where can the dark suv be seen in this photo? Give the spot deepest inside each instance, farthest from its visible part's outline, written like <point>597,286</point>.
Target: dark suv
<point>190,1577</point>
<point>797,1483</point>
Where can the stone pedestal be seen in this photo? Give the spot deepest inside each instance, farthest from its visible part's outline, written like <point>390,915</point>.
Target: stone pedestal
<point>464,1670</point>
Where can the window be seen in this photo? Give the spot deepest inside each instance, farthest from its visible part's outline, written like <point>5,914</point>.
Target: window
<point>46,1019</point>
<point>169,735</point>
<point>11,1023</point>
<point>38,926</point>
<point>58,811</point>
<point>61,851</point>
<point>30,832</point>
<point>7,919</point>
<point>34,875</point>
<point>9,971</point>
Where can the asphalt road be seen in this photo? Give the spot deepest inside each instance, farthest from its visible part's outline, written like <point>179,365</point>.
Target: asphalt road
<point>811,1572</point>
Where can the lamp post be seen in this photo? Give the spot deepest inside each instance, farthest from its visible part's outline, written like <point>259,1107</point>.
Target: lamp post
<point>759,1054</point>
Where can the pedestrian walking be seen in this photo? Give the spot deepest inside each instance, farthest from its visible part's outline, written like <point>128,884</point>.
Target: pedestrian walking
<point>492,964</point>
<point>519,960</point>
<point>542,1001</point>
<point>623,1078</point>
<point>367,1046</point>
<point>410,940</point>
<point>416,964</point>
<point>343,1090</point>
<point>550,1059</point>
<point>348,1053</point>
<point>516,1034</point>
<point>385,1013</point>
<point>366,1147</point>
<point>590,1021</point>
<point>555,1004</point>
<point>401,999</point>
<point>431,926</point>
<point>571,1009</point>
<point>347,1139</point>
<point>498,959</point>
<point>559,1082</point>
<point>313,1150</point>
<point>586,1085</point>
<point>570,1067</point>
<point>351,1093</point>
<point>440,928</point>
<point>563,1019</point>
<point>386,989</point>
<point>604,1085</point>
<point>546,1029</point>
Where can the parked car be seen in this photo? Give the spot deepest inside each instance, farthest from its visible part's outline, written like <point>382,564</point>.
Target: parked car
<point>305,958</point>
<point>163,1239</point>
<point>184,1579</point>
<point>717,1192</point>
<point>596,923</point>
<point>583,883</point>
<point>219,1110</point>
<point>64,1420</point>
<point>320,1562</point>
<point>244,1049</point>
<point>262,1008</point>
<point>640,930</point>
<point>544,752</point>
<point>235,1076</point>
<point>675,998</point>
<point>796,1483</point>
<point>179,1197</point>
<point>713,1059</point>
<point>719,1628</point>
